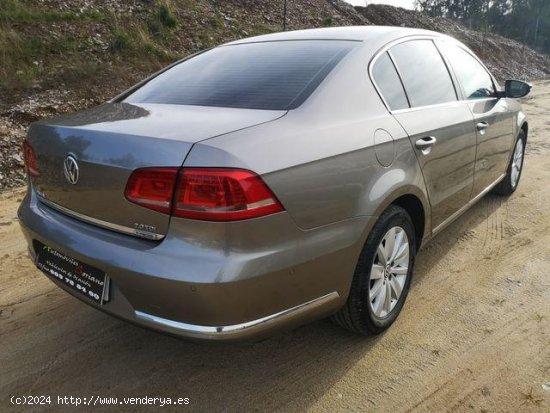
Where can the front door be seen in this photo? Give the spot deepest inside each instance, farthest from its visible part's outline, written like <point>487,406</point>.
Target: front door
<point>492,119</point>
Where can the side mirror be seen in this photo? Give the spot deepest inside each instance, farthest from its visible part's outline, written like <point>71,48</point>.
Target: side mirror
<point>516,89</point>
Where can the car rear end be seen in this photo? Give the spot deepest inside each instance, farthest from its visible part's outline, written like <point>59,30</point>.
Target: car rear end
<point>114,216</point>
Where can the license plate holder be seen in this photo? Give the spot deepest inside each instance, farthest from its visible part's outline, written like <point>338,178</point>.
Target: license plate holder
<point>83,278</point>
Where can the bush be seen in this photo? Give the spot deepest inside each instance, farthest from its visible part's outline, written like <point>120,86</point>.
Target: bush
<point>166,16</point>
<point>120,41</point>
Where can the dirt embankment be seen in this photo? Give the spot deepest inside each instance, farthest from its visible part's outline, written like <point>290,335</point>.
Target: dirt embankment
<point>474,335</point>
<point>59,56</point>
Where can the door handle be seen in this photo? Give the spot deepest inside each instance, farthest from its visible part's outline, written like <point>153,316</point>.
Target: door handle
<point>481,126</point>
<point>425,144</point>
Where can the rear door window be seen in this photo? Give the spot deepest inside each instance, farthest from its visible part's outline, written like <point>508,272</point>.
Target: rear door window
<point>263,75</point>
<point>387,80</point>
<point>425,76</point>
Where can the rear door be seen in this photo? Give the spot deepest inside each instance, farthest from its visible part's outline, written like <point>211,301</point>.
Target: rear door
<point>493,120</point>
<point>439,125</point>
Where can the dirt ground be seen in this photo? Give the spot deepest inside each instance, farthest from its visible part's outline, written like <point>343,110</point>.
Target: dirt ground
<point>474,335</point>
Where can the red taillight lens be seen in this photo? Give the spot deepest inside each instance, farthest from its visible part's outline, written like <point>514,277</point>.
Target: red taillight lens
<point>152,188</point>
<point>210,194</point>
<point>31,163</point>
<point>216,194</point>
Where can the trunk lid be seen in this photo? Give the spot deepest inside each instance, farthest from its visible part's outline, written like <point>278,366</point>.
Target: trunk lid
<point>109,142</point>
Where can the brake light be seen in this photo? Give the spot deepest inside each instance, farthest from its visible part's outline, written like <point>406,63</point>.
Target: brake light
<point>152,188</point>
<point>220,194</point>
<point>31,163</point>
<point>211,194</point>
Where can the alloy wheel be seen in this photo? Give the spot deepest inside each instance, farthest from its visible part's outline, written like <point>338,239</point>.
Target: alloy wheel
<point>517,162</point>
<point>389,272</point>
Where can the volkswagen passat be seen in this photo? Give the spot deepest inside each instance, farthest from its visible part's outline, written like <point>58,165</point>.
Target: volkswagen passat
<point>271,181</point>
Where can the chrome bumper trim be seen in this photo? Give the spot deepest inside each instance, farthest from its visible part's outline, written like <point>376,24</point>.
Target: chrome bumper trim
<point>100,223</point>
<point>236,330</point>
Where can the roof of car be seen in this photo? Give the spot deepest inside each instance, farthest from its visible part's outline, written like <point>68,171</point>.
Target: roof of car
<point>356,33</point>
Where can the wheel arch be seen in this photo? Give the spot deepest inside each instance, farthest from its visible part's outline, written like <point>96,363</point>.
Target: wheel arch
<point>522,123</point>
<point>415,209</point>
<point>415,202</point>
<point>525,127</point>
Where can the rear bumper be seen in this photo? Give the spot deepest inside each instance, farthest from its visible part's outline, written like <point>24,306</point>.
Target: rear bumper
<point>211,281</point>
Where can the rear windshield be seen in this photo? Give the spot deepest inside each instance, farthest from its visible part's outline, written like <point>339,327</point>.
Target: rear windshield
<point>270,75</point>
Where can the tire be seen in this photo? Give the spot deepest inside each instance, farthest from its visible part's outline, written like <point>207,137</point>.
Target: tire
<point>361,314</point>
<point>510,182</point>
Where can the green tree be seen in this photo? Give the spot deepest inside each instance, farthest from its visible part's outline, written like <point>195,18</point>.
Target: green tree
<point>525,20</point>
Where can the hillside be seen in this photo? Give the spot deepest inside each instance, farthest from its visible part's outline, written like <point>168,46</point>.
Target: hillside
<point>50,43</point>
<point>506,58</point>
<point>58,56</point>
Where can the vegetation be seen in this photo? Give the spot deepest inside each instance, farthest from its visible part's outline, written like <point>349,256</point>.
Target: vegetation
<point>166,16</point>
<point>527,21</point>
<point>29,52</point>
<point>76,45</point>
<point>18,11</point>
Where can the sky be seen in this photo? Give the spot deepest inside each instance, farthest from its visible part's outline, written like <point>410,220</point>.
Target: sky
<point>407,4</point>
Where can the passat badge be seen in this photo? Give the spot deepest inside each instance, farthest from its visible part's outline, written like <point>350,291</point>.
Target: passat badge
<point>70,168</point>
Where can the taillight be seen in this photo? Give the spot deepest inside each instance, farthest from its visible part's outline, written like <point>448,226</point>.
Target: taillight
<point>211,194</point>
<point>31,163</point>
<point>216,194</point>
<point>152,188</point>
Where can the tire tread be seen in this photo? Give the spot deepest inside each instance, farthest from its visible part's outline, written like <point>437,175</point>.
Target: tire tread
<point>351,316</point>
<point>504,187</point>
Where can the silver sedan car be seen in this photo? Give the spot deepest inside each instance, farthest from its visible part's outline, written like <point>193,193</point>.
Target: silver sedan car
<point>271,181</point>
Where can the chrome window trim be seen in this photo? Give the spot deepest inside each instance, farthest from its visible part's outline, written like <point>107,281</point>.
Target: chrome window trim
<point>434,39</point>
<point>100,223</point>
<point>453,103</point>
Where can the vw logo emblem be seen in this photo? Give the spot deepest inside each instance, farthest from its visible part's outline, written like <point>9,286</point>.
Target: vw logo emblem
<point>70,169</point>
